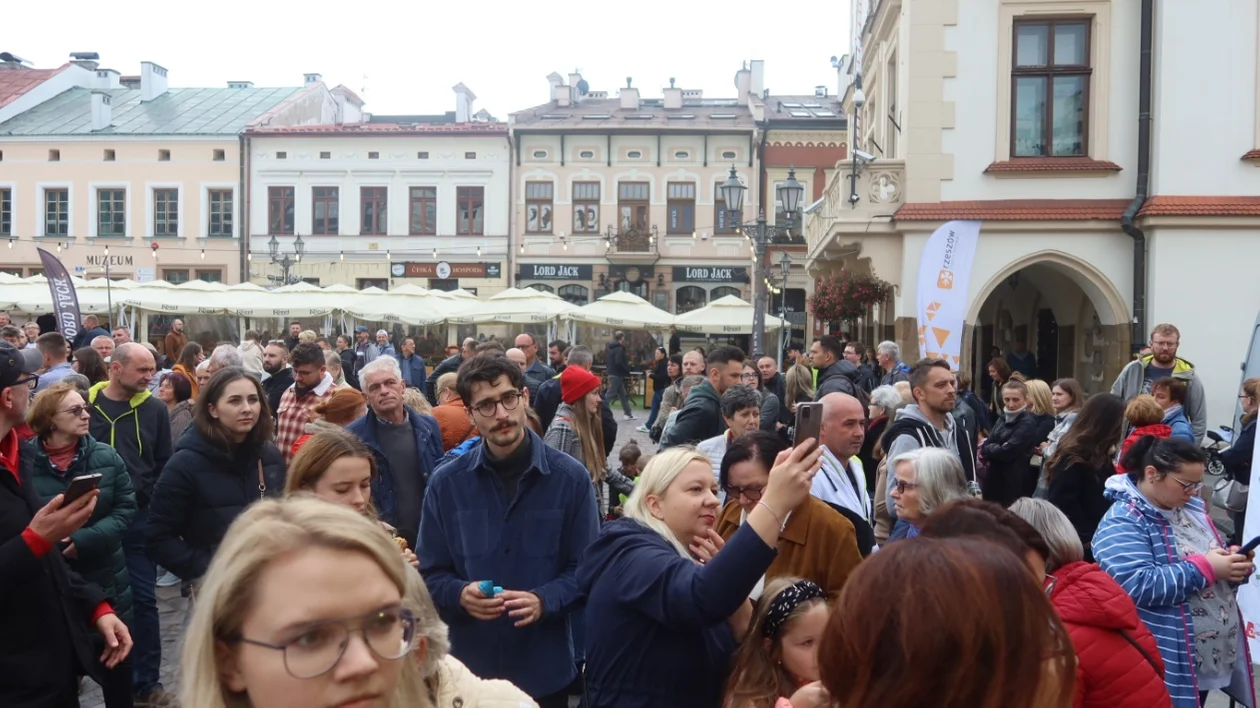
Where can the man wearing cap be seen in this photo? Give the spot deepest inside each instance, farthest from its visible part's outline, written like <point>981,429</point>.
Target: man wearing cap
<point>48,610</point>
<point>383,347</point>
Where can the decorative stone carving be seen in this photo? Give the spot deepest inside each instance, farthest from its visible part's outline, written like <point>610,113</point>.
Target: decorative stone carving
<point>885,187</point>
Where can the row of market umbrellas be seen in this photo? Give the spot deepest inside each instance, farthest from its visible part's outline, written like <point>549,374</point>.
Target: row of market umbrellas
<point>406,304</point>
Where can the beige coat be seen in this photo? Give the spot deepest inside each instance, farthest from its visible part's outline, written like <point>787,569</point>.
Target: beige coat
<point>251,355</point>
<point>454,686</point>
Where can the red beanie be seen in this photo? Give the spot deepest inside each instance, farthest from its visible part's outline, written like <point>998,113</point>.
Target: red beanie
<point>575,383</point>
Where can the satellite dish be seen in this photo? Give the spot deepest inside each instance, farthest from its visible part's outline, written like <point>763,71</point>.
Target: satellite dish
<point>583,87</point>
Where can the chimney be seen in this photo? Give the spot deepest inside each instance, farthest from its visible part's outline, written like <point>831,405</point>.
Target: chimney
<point>87,60</point>
<point>757,81</point>
<point>743,79</point>
<point>240,84</point>
<point>629,96</point>
<point>673,96</point>
<point>308,79</point>
<point>152,81</point>
<point>108,79</point>
<point>102,114</point>
<point>464,98</point>
<point>574,79</point>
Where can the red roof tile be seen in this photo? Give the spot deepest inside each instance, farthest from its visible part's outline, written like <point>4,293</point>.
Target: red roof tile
<point>1053,164</point>
<point>1251,155</point>
<point>1016,210</point>
<point>1164,205</point>
<point>14,83</point>
<point>379,128</point>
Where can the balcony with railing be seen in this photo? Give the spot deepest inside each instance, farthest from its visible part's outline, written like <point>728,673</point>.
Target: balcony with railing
<point>855,215</point>
<point>632,245</point>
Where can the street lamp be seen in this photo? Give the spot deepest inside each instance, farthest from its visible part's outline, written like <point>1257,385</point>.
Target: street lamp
<point>790,194</point>
<point>284,261</point>
<point>785,263</point>
<point>859,100</point>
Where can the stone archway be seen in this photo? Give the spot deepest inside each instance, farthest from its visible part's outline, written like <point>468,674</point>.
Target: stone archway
<point>1067,313</point>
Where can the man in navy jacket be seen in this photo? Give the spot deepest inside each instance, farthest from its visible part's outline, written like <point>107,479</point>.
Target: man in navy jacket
<point>518,514</point>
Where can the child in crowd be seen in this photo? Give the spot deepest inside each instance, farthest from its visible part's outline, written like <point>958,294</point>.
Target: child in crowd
<point>1145,417</point>
<point>621,482</point>
<point>777,663</point>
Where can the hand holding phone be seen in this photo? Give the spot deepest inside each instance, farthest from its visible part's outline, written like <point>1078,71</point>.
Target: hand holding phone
<point>808,422</point>
<point>1251,546</point>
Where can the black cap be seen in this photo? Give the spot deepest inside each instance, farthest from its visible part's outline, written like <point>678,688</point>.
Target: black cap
<point>16,364</point>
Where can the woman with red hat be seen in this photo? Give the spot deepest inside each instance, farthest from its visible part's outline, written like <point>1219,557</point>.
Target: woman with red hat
<point>576,430</point>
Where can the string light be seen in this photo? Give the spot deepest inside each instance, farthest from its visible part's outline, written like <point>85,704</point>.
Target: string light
<point>107,251</point>
<point>10,243</point>
<point>249,256</point>
<point>58,247</point>
<point>435,253</point>
<point>343,255</point>
<point>693,235</point>
<point>387,256</point>
<point>479,251</point>
<point>203,254</point>
<point>522,248</point>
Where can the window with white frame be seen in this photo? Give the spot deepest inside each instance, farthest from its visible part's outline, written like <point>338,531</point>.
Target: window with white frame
<point>166,212</point>
<point>111,212</point>
<point>221,207</point>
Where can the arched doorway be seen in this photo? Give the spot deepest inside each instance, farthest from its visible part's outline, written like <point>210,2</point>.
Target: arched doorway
<point>1060,309</point>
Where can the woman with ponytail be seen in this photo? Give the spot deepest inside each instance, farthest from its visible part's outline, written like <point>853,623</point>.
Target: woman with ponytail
<point>1159,543</point>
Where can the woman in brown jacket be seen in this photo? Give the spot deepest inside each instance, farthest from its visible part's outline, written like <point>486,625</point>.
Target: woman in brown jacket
<point>817,543</point>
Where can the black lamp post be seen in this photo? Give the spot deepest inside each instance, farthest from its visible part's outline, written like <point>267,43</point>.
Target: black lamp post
<point>284,261</point>
<point>761,233</point>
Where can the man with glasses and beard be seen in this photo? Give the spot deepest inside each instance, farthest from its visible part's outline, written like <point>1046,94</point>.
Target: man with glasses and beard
<point>516,514</point>
<point>1138,375</point>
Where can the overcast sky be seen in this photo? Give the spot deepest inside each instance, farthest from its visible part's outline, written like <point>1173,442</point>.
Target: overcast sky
<point>404,57</point>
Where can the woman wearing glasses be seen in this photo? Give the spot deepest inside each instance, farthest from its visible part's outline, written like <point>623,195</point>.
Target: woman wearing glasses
<point>303,605</point>
<point>1160,545</point>
<point>816,543</point>
<point>770,414</point>
<point>59,417</point>
<point>924,480</point>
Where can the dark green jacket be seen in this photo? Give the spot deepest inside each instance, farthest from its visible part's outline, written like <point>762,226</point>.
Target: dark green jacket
<point>99,542</point>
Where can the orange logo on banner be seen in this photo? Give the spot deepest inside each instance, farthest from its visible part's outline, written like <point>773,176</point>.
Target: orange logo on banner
<point>941,335</point>
<point>945,280</point>
<point>931,310</point>
<point>955,360</point>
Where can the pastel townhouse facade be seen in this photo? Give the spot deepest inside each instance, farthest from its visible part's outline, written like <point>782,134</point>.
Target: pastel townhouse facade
<point>621,193</point>
<point>1108,202</point>
<point>380,201</point>
<point>126,172</point>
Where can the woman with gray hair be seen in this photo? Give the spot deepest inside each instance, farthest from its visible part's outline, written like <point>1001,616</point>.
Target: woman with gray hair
<point>1100,617</point>
<point>448,681</point>
<point>924,480</point>
<point>885,402</point>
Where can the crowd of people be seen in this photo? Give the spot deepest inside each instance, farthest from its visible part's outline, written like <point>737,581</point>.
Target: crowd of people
<point>352,526</point>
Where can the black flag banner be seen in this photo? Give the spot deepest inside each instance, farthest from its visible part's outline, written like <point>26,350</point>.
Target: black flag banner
<point>65,300</point>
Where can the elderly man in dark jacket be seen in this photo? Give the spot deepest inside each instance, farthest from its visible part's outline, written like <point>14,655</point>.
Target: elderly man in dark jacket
<point>700,418</point>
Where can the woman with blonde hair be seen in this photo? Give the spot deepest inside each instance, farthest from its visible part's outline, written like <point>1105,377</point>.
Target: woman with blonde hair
<point>339,468</point>
<point>799,386</point>
<point>447,680</point>
<point>779,659</point>
<point>303,605</point>
<point>307,336</point>
<point>658,592</point>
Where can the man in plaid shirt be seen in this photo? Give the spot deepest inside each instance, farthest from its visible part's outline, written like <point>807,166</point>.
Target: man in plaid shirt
<point>311,384</point>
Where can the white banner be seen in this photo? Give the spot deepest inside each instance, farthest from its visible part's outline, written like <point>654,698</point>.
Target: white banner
<point>1249,592</point>
<point>944,272</point>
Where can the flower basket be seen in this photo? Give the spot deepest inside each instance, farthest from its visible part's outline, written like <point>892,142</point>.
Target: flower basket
<point>846,297</point>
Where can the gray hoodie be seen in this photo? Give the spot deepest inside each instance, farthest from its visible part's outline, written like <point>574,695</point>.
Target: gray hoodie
<point>905,443</point>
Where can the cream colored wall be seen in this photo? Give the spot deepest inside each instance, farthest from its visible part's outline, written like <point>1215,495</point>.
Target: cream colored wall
<point>624,169</point>
<point>82,170</point>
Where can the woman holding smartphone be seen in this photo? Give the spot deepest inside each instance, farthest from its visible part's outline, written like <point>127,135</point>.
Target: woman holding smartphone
<point>59,417</point>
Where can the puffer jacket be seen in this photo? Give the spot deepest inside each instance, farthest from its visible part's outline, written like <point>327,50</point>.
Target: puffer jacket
<point>1175,418</point>
<point>99,543</point>
<point>1118,663</point>
<point>200,493</point>
<point>452,685</point>
<point>1009,450</point>
<point>1134,544</point>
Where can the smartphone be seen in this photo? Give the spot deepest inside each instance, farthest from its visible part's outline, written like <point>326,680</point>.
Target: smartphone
<point>1251,546</point>
<point>808,422</point>
<point>81,485</point>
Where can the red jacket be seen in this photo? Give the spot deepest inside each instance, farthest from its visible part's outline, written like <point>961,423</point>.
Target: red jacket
<point>1159,430</point>
<point>1111,672</point>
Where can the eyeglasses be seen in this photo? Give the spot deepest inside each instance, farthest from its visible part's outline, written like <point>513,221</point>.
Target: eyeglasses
<point>389,634</point>
<point>77,411</point>
<point>751,493</point>
<point>31,381</point>
<point>510,401</point>
<point>901,485</point>
<point>748,376</point>
<point>1051,582</point>
<point>1189,487</point>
